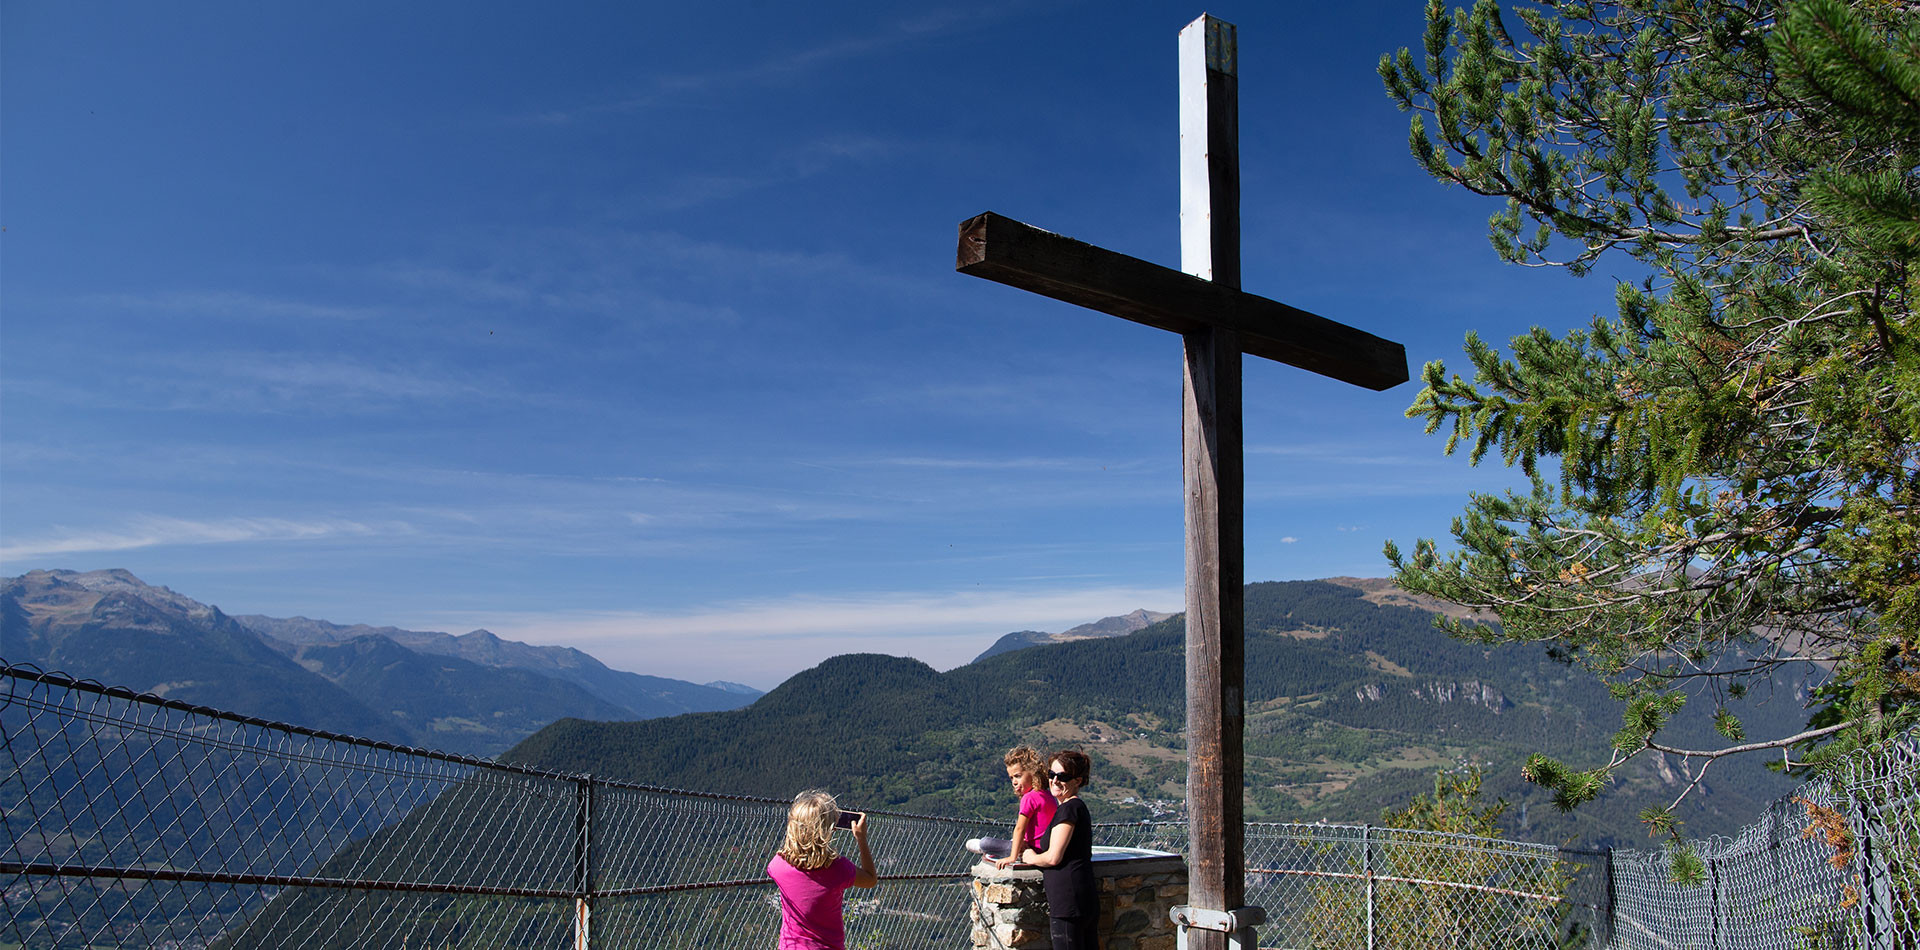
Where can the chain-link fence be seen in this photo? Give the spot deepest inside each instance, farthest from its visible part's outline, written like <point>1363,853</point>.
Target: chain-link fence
<point>1365,887</point>
<point>132,821</point>
<point>1835,865</point>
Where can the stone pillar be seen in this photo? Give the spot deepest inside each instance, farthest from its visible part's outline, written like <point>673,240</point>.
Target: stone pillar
<point>1137,894</point>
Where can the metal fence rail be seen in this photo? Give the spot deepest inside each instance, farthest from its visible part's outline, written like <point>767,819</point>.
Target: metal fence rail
<point>133,821</point>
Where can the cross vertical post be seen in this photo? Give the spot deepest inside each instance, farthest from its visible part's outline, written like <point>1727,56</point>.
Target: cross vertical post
<point>1214,477</point>
<point>1217,321</point>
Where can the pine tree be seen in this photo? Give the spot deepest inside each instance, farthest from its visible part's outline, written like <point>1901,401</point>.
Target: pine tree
<point>1726,473</point>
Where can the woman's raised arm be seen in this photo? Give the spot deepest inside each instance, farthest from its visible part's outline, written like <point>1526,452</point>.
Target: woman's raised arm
<point>868,876</point>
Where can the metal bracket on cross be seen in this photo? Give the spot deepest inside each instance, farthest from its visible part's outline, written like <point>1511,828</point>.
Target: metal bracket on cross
<point>1237,924</point>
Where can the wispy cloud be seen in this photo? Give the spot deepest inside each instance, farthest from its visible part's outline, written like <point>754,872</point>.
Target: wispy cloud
<point>229,303</point>
<point>297,378</point>
<point>764,641</point>
<point>644,277</point>
<point>543,280</point>
<point>1357,469</point>
<point>986,464</point>
<point>1337,453</point>
<point>781,168</point>
<point>779,67</point>
<point>152,531</point>
<point>269,381</point>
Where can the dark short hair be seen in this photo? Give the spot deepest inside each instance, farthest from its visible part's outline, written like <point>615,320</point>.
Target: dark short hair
<point>1076,762</point>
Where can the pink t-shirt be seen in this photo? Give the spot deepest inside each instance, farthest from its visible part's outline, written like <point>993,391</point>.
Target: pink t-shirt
<point>1039,806</point>
<point>810,907</point>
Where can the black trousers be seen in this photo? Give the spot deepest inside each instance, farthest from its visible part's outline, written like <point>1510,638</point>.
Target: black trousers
<point>1075,933</point>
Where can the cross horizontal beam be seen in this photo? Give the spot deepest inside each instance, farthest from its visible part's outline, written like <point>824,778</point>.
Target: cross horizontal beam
<point>1001,249</point>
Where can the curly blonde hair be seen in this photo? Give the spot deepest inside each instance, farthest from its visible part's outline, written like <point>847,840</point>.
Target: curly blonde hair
<point>809,841</point>
<point>1027,760</point>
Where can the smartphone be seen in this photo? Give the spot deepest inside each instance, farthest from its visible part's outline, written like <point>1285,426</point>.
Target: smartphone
<point>847,818</point>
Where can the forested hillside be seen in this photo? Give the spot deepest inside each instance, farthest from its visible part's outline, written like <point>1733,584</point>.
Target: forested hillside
<point>1351,707</point>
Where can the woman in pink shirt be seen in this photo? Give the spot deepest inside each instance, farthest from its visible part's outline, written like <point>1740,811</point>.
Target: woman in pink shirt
<point>812,877</point>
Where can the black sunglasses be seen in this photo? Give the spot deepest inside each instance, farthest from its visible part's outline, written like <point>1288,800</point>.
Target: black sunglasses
<point>1061,777</point>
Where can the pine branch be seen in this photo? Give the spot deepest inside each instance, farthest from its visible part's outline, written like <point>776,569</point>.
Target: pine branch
<point>1805,736</point>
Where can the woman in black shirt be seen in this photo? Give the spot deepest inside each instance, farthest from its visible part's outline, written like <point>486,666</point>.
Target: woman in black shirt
<point>1073,899</point>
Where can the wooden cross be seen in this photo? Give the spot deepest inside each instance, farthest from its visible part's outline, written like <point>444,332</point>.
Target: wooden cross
<point>1218,322</point>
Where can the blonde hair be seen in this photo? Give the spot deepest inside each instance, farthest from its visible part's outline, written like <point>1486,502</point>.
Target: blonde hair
<point>1027,760</point>
<point>809,842</point>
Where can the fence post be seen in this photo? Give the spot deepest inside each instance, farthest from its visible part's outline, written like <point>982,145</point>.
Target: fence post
<point>582,863</point>
<point>1606,915</point>
<point>1366,863</point>
<point>1876,905</point>
<point>1713,896</point>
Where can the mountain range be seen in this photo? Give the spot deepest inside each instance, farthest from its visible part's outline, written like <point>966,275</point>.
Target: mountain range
<point>1354,702</point>
<point>1109,627</point>
<point>474,693</point>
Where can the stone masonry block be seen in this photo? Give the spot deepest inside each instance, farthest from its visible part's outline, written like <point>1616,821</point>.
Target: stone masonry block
<point>1132,922</point>
<point>1029,939</point>
<point>1031,916</point>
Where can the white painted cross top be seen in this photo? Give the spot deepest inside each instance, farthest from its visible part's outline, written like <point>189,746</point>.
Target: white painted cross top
<point>1217,322</point>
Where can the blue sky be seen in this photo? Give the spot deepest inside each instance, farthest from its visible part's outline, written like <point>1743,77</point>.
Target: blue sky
<point>634,327</point>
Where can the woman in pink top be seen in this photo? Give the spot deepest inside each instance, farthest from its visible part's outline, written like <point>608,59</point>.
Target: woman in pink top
<point>812,877</point>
